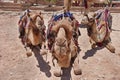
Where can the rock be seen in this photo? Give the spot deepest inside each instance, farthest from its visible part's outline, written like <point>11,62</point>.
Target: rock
<point>11,73</point>
<point>29,54</point>
<point>58,73</point>
<point>78,72</point>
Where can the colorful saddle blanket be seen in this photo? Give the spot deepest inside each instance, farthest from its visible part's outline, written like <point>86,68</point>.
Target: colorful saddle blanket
<point>60,16</point>
<point>104,16</point>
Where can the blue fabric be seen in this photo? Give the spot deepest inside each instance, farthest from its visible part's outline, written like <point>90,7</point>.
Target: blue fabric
<point>67,14</point>
<point>26,11</point>
<point>21,17</point>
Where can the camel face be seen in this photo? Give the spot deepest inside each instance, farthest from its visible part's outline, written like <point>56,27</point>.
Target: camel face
<point>88,19</point>
<point>61,46</point>
<point>61,52</point>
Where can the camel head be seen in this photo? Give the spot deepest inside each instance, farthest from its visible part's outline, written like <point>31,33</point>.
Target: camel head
<point>62,52</point>
<point>61,42</point>
<point>61,48</point>
<point>37,18</point>
<point>88,20</point>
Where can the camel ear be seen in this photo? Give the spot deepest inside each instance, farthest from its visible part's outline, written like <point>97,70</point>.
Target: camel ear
<point>94,15</point>
<point>40,13</point>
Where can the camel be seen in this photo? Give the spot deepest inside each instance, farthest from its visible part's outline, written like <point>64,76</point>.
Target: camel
<point>87,4</point>
<point>99,29</point>
<point>34,31</point>
<point>64,48</point>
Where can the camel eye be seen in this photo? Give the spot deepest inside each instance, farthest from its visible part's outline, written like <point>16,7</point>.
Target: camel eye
<point>91,20</point>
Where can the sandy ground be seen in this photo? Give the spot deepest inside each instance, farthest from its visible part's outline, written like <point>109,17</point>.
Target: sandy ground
<point>97,64</point>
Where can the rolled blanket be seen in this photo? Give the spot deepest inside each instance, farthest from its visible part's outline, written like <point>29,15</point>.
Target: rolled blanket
<point>60,16</point>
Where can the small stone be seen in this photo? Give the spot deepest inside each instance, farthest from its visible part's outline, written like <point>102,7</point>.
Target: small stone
<point>29,54</point>
<point>13,58</point>
<point>11,73</point>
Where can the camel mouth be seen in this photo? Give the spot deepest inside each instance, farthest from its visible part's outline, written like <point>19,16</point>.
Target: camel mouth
<point>64,62</point>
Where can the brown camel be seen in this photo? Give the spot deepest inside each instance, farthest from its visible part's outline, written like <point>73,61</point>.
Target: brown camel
<point>99,29</point>
<point>34,30</point>
<point>64,49</point>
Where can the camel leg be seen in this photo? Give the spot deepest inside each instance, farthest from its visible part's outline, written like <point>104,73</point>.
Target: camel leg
<point>76,67</point>
<point>28,47</point>
<point>57,69</point>
<point>110,47</point>
<point>67,5</point>
<point>28,51</point>
<point>93,44</point>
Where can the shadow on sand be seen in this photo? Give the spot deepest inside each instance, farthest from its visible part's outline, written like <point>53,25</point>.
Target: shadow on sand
<point>66,73</point>
<point>115,30</point>
<point>91,52</point>
<point>43,65</point>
